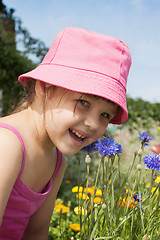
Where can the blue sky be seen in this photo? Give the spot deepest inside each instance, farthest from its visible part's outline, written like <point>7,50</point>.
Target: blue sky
<point>136,22</point>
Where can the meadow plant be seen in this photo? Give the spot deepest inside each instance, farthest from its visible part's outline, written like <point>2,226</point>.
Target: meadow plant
<point>109,205</point>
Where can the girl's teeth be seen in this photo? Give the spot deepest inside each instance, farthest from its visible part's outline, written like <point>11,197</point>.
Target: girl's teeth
<point>79,135</point>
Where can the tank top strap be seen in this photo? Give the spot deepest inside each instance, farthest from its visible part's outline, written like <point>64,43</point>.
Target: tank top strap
<point>9,127</point>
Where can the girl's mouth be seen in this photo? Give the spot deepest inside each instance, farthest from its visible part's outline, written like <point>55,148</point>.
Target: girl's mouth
<point>77,136</point>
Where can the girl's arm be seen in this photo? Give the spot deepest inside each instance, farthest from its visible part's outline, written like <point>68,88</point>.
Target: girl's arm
<point>11,155</point>
<point>38,225</point>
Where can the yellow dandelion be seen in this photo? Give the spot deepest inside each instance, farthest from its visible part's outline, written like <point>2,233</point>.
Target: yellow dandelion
<point>153,189</point>
<point>75,189</point>
<point>148,185</point>
<point>99,192</point>
<point>75,227</point>
<point>62,208</point>
<point>58,202</point>
<point>82,196</point>
<point>157,180</point>
<point>89,190</point>
<point>97,200</point>
<point>130,191</point>
<point>80,210</point>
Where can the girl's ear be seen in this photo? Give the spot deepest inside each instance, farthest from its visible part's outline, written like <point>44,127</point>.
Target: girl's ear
<point>40,89</point>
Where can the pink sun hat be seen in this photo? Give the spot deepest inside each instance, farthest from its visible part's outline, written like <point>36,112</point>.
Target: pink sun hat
<point>87,62</point>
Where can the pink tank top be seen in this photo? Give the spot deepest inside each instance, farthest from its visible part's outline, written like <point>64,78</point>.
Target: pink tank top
<point>23,202</point>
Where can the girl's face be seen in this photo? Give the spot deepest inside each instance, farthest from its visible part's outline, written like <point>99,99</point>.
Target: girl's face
<point>74,120</point>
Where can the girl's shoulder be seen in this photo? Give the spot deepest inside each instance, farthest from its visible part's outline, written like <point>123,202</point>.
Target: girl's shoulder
<point>10,144</point>
<point>11,155</point>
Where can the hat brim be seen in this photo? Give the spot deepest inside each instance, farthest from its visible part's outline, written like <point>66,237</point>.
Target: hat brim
<point>84,81</point>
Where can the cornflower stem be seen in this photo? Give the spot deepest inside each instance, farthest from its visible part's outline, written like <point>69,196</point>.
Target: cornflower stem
<point>103,172</point>
<point>92,203</point>
<point>150,199</point>
<point>152,174</point>
<point>119,173</point>
<point>80,216</point>
<point>112,186</point>
<point>141,212</point>
<point>85,202</point>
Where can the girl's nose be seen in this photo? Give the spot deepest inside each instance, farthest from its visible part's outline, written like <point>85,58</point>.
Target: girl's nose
<point>92,122</point>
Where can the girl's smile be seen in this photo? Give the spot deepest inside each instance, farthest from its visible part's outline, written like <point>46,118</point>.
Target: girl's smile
<point>73,120</point>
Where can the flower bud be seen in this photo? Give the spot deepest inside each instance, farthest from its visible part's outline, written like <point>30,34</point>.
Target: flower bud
<point>144,237</point>
<point>139,166</point>
<point>106,163</point>
<point>139,152</point>
<point>87,159</point>
<point>104,206</point>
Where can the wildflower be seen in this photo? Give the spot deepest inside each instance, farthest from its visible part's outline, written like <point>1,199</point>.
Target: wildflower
<point>77,189</point>
<point>156,148</point>
<point>104,206</point>
<point>91,147</point>
<point>97,200</point>
<point>80,210</point>
<point>137,200</point>
<point>62,208</point>
<point>152,161</point>
<point>144,237</point>
<point>89,190</point>
<point>144,137</point>
<point>158,128</point>
<point>139,152</point>
<point>87,159</point>
<point>148,185</point>
<point>128,202</point>
<point>75,227</point>
<point>99,192</point>
<point>153,190</point>
<point>125,190</point>
<point>139,166</point>
<point>82,196</point>
<point>108,147</point>
<point>157,180</point>
<point>58,202</point>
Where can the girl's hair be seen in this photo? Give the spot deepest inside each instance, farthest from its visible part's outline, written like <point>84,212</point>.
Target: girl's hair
<point>27,97</point>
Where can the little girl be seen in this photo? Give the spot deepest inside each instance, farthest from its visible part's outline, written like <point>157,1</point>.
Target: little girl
<point>71,97</point>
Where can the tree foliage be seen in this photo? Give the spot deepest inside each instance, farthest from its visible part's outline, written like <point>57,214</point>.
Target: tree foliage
<point>141,113</point>
<point>12,61</point>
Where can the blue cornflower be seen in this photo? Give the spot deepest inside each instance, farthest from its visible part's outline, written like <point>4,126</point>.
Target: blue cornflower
<point>137,200</point>
<point>108,147</point>
<point>91,147</point>
<point>152,161</point>
<point>144,137</point>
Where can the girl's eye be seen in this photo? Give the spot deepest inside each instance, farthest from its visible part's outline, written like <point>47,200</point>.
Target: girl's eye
<point>105,115</point>
<point>83,102</point>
